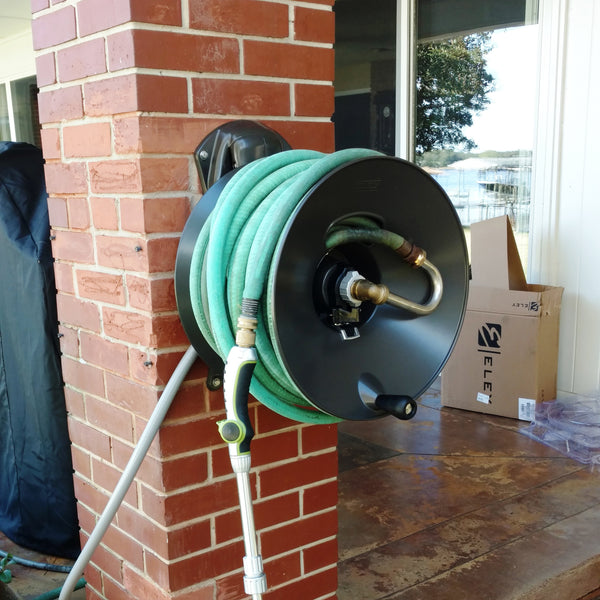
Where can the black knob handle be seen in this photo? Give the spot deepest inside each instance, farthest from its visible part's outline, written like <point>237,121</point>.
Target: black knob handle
<point>402,407</point>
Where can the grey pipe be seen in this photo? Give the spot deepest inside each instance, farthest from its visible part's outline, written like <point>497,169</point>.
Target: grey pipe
<point>130,471</point>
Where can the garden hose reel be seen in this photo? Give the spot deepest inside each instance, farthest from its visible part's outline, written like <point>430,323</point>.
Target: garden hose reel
<point>351,354</point>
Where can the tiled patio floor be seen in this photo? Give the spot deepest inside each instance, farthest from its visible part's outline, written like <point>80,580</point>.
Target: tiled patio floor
<point>455,505</point>
<point>452,505</point>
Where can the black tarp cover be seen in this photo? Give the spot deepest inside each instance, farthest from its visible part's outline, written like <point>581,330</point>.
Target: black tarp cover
<point>37,503</point>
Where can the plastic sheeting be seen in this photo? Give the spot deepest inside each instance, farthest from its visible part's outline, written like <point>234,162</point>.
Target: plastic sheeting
<point>571,425</point>
<point>37,502</point>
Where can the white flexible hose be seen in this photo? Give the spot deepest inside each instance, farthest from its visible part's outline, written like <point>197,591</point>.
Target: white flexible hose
<point>130,471</point>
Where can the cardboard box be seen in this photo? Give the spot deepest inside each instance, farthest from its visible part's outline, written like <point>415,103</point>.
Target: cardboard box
<point>505,359</point>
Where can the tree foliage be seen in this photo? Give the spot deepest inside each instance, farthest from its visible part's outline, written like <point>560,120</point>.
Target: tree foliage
<point>452,85</point>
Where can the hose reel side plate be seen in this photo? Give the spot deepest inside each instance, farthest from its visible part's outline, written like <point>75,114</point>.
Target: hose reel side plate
<point>396,352</point>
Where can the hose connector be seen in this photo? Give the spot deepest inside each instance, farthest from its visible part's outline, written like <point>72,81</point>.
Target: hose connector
<point>245,336</point>
<point>361,290</point>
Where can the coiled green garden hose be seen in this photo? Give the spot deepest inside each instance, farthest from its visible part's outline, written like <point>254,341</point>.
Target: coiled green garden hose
<point>233,261</point>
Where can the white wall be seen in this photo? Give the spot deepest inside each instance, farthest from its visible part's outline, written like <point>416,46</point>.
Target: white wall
<point>22,60</point>
<point>565,240</point>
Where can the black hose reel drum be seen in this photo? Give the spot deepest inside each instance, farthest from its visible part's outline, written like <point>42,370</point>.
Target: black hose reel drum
<point>352,358</point>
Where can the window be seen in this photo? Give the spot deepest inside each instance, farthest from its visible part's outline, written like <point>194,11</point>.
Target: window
<point>19,119</point>
<point>475,138</point>
<point>365,74</point>
<point>475,76</point>
<point>4,115</point>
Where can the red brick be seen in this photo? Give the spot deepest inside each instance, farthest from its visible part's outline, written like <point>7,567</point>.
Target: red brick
<point>161,254</point>
<point>207,565</point>
<point>50,143</point>
<point>104,213</point>
<point>63,275</point>
<point>89,495</point>
<point>161,134</point>
<point>106,477</point>
<point>84,377</point>
<point>304,134</point>
<point>283,569</point>
<point>100,15</point>
<point>121,252</point>
<point>320,556</point>
<point>62,104</point>
<point>69,342</point>
<point>66,178</point>
<point>112,589</point>
<point>76,312</point>
<point>189,539</point>
<point>314,25</point>
<point>228,526</point>
<point>79,213</point>
<point>37,5</point>
<point>57,212</point>
<point>165,174</point>
<point>298,473</point>
<point>190,504</point>
<point>115,176</point>
<point>274,511</point>
<point>275,448</point>
<point>299,533</point>
<point>167,331</point>
<point>184,436</point>
<point>320,585</point>
<point>127,326</point>
<point>108,563</point>
<point>246,17</point>
<point>89,438</point>
<point>314,100</point>
<point>104,287</point>
<point>151,294</point>
<point>81,462</point>
<point>319,437</point>
<point>185,471</point>
<point>319,497</point>
<point>267,421</point>
<point>125,546</point>
<point>138,399</point>
<point>45,69</point>
<point>190,401</point>
<point>104,353</point>
<point>145,49</point>
<point>129,93</point>
<point>92,139</point>
<point>230,96</point>
<point>135,580</point>
<point>152,215</point>
<point>73,246</point>
<point>220,461</point>
<point>83,60</point>
<point>286,60</point>
<point>54,28</point>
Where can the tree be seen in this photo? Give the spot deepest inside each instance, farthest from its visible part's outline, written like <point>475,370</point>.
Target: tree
<point>452,85</point>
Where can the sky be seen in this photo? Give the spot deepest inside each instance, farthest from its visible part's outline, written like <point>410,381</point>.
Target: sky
<point>508,121</point>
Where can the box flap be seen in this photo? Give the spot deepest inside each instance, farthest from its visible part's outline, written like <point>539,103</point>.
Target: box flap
<point>535,301</point>
<point>495,260</point>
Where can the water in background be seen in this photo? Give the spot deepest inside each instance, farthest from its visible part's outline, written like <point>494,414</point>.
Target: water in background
<point>485,188</point>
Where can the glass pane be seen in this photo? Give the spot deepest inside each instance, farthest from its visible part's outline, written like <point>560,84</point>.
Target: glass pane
<point>475,121</point>
<point>365,74</point>
<point>24,101</point>
<point>4,123</point>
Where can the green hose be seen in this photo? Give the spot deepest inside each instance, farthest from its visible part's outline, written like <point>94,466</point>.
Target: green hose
<point>233,261</point>
<point>55,593</point>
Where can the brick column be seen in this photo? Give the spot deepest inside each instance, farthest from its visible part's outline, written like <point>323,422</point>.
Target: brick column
<point>127,90</point>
